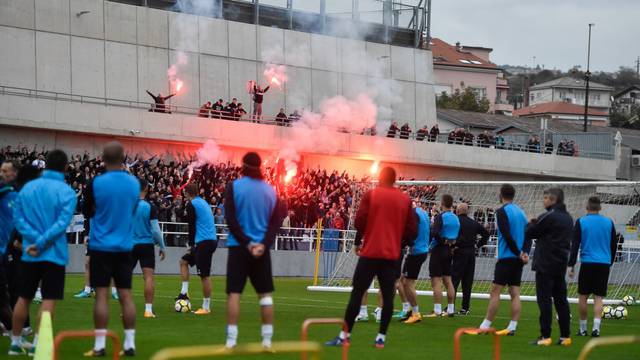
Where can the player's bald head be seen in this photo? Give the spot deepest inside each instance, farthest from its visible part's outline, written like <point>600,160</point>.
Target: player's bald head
<point>113,154</point>
<point>387,176</point>
<point>463,208</point>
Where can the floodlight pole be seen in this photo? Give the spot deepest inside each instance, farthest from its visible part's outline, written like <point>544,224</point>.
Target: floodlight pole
<point>587,77</point>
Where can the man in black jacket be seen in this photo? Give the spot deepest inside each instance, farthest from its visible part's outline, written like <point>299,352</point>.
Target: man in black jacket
<point>464,256</point>
<point>553,231</point>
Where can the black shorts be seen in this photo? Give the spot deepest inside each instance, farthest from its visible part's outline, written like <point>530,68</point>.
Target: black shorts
<point>190,256</point>
<point>104,266</point>
<point>241,265</point>
<point>593,279</point>
<point>508,272</point>
<point>47,275</point>
<point>145,254</point>
<point>204,256</point>
<point>412,265</point>
<point>440,262</point>
<point>5,299</point>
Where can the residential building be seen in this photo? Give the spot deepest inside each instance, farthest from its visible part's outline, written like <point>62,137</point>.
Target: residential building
<point>457,67</point>
<point>626,99</point>
<point>564,111</point>
<point>571,90</point>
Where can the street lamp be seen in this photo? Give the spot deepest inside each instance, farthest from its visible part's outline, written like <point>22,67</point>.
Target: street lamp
<point>587,76</point>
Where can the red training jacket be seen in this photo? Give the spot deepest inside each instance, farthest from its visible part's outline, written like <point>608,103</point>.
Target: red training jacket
<point>383,220</point>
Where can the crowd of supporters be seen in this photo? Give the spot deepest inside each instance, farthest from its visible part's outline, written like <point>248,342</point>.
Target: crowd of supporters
<point>311,194</point>
<point>462,136</point>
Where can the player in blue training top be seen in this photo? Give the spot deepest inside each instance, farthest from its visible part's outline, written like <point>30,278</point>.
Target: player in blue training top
<point>7,199</point>
<point>110,203</point>
<point>42,211</point>
<point>512,223</point>
<point>413,263</point>
<point>254,216</point>
<point>444,233</point>
<point>595,237</point>
<point>203,242</point>
<point>146,234</point>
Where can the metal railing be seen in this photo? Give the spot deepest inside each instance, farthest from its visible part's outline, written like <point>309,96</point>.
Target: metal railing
<point>386,22</point>
<point>590,145</point>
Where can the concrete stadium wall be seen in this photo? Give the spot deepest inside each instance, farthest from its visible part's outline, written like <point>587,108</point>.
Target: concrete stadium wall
<point>118,51</point>
<point>78,127</point>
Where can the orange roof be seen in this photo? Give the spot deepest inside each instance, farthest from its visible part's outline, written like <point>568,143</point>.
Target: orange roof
<point>557,108</point>
<point>447,54</point>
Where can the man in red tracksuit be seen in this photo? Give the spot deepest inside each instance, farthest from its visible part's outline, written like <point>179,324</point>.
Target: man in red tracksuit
<point>385,221</point>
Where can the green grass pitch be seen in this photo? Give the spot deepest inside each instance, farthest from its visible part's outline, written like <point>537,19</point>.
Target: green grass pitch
<point>431,339</point>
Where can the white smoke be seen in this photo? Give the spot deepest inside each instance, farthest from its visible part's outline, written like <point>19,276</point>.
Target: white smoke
<point>209,154</point>
<point>317,131</point>
<point>198,7</point>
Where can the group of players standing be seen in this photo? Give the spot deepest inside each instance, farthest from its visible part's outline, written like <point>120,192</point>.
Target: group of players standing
<point>388,222</point>
<point>123,231</point>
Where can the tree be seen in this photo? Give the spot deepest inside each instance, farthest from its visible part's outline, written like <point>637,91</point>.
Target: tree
<point>624,120</point>
<point>465,100</point>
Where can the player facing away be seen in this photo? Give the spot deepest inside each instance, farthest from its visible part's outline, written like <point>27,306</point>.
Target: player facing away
<point>594,236</point>
<point>413,263</point>
<point>7,199</point>
<point>254,215</point>
<point>553,231</point>
<point>444,233</point>
<point>203,242</point>
<point>146,234</point>
<point>42,211</point>
<point>386,223</point>
<point>512,223</point>
<point>464,255</point>
<point>110,203</point>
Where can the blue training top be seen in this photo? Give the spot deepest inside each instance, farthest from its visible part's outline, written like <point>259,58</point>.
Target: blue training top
<point>595,244</point>
<point>146,229</point>
<point>110,203</point>
<point>516,224</point>
<point>421,244</point>
<point>43,210</point>
<point>450,226</point>
<point>254,201</point>
<point>7,199</point>
<point>205,226</point>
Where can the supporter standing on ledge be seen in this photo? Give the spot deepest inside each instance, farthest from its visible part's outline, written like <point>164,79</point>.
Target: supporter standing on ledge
<point>258,97</point>
<point>385,221</point>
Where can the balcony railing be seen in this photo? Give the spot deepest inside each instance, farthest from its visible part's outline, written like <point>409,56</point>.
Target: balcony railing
<point>590,145</point>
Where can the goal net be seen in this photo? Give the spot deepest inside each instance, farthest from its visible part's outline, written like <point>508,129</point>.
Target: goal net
<point>620,202</point>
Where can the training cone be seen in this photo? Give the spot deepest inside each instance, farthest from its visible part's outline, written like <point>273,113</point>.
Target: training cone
<point>44,348</point>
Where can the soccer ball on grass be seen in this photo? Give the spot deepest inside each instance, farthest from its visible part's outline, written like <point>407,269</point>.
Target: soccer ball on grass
<point>183,306</point>
<point>620,312</point>
<point>628,300</point>
<point>607,312</point>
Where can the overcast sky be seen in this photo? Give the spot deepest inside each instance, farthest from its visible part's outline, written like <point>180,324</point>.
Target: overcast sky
<point>554,31</point>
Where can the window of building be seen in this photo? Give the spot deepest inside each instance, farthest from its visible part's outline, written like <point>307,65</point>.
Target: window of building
<point>465,61</point>
<point>476,62</point>
<point>481,93</point>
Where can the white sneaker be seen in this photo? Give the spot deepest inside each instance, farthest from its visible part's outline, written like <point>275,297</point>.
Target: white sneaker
<point>362,317</point>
